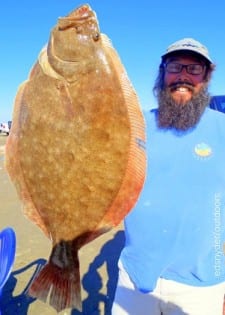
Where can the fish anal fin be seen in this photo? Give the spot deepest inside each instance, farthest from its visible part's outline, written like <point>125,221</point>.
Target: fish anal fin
<point>13,161</point>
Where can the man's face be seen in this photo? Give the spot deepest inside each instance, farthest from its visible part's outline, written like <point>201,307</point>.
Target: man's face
<point>184,95</point>
<point>183,85</point>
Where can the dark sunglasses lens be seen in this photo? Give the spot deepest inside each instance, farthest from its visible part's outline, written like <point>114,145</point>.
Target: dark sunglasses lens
<point>195,69</point>
<point>173,67</point>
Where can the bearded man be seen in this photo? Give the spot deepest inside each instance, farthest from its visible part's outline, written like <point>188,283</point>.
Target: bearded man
<point>173,260</point>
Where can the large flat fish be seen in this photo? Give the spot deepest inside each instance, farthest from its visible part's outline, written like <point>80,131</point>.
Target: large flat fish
<point>76,148</point>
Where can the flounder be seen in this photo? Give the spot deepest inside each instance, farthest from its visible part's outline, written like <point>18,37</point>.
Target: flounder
<point>76,148</point>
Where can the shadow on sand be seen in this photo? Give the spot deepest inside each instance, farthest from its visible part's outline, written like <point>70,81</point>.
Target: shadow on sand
<point>92,280</point>
<point>92,283</point>
<point>10,304</point>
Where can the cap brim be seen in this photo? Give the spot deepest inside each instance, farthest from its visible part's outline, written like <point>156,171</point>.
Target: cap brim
<point>189,50</point>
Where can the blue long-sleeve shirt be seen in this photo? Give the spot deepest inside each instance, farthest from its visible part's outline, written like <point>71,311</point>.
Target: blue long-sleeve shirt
<point>177,229</point>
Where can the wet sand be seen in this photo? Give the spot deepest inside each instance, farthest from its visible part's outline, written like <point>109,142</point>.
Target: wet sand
<point>98,260</point>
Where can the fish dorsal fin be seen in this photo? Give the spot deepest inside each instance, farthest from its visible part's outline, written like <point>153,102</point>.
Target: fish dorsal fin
<point>136,167</point>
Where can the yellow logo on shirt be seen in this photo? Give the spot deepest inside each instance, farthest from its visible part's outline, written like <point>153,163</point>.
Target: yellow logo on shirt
<point>203,150</point>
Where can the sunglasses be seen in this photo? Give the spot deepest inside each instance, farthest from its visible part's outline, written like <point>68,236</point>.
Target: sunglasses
<point>194,69</point>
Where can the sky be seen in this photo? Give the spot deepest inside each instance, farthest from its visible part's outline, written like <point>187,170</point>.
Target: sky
<point>140,31</point>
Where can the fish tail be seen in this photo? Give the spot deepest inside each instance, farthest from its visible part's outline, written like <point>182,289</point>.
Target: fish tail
<point>58,283</point>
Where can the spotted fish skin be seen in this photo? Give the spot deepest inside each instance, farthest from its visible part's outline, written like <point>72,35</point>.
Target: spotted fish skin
<point>76,148</point>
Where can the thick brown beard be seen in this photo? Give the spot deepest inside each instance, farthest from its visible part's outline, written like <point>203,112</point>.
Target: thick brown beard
<point>181,116</point>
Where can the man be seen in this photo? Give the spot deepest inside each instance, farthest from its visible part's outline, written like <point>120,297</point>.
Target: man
<point>173,260</point>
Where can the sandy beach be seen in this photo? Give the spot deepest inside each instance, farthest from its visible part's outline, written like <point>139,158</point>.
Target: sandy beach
<point>98,260</point>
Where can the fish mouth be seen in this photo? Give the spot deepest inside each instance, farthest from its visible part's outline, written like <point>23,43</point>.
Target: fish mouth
<point>181,87</point>
<point>76,17</point>
<point>83,11</point>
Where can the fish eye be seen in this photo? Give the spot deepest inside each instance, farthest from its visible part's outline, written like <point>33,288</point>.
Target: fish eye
<point>96,36</point>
